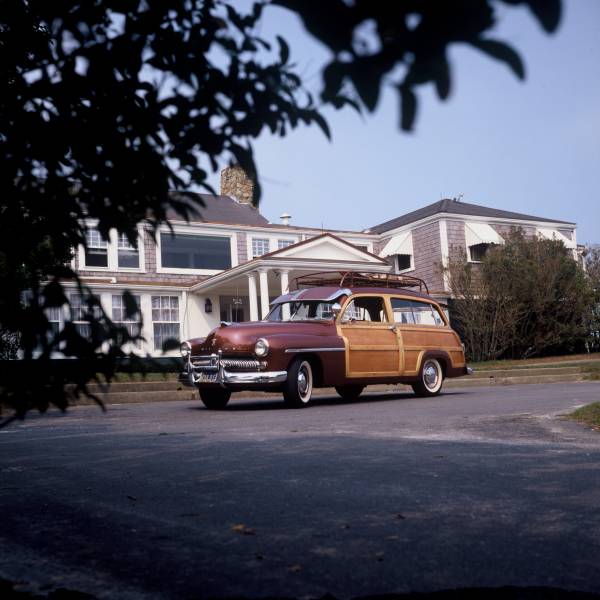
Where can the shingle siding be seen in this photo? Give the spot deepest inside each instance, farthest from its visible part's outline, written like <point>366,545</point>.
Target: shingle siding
<point>242,247</point>
<point>427,256</point>
<point>457,245</point>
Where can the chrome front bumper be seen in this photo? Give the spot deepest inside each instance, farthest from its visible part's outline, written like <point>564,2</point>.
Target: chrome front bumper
<point>213,369</point>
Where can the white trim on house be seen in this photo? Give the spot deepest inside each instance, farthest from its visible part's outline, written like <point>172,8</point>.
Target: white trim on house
<point>465,218</point>
<point>445,251</point>
<point>282,231</point>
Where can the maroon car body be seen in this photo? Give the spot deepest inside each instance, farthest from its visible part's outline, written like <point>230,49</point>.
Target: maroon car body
<point>342,337</point>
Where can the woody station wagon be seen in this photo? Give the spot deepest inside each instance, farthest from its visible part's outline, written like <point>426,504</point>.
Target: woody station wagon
<point>344,330</point>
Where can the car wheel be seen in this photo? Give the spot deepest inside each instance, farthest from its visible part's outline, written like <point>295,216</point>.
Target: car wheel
<point>299,384</point>
<point>430,378</point>
<point>349,392</point>
<point>215,399</point>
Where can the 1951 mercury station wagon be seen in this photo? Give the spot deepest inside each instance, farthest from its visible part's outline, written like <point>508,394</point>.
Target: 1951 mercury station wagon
<point>345,330</point>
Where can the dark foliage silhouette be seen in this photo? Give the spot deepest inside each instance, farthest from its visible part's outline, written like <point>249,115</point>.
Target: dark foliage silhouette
<point>106,106</point>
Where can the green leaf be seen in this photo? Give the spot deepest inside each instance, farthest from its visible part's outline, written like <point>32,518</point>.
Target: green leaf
<point>366,76</point>
<point>408,108</point>
<point>322,123</point>
<point>442,78</point>
<point>131,306</point>
<point>170,344</point>
<point>333,77</point>
<point>503,52</point>
<point>548,13</point>
<point>284,50</point>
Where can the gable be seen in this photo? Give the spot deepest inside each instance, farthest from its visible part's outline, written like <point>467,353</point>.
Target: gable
<point>327,247</point>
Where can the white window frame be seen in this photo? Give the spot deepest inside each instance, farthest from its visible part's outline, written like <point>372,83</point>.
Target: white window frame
<point>134,345</point>
<point>259,239</point>
<point>191,231</point>
<point>471,259</point>
<point>287,241</point>
<point>113,253</point>
<point>153,322</point>
<point>366,243</point>
<point>408,269</point>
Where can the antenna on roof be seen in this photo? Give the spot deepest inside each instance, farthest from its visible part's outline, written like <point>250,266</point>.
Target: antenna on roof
<point>459,198</point>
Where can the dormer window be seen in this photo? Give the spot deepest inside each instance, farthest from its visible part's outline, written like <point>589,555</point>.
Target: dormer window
<point>112,253</point>
<point>403,262</point>
<point>96,253</point>
<point>477,252</point>
<point>128,255</point>
<point>479,238</point>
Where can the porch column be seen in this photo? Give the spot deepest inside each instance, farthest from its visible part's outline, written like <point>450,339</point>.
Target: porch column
<point>285,309</point>
<point>252,297</point>
<point>264,292</point>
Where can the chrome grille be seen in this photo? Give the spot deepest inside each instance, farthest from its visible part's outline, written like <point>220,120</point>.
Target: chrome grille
<point>227,363</point>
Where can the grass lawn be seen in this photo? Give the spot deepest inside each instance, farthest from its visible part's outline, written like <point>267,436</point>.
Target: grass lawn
<point>590,415</point>
<point>547,361</point>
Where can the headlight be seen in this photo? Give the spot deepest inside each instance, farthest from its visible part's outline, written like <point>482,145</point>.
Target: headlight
<point>261,348</point>
<point>185,349</point>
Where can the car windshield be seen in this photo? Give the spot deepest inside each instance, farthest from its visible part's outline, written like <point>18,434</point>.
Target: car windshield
<point>301,311</point>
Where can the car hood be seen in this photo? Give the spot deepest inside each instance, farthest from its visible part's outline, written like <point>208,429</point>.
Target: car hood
<point>241,337</point>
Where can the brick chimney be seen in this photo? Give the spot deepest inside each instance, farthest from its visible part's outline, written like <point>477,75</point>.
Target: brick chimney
<point>235,183</point>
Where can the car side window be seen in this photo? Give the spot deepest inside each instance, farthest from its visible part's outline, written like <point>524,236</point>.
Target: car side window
<point>414,312</point>
<point>402,311</point>
<point>366,309</point>
<point>426,314</point>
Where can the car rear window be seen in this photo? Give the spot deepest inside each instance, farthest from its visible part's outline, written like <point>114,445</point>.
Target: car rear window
<point>415,312</point>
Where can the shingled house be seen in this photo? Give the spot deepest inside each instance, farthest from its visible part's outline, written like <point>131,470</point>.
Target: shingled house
<point>229,262</point>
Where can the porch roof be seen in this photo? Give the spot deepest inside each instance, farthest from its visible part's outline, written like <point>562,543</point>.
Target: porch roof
<point>325,252</point>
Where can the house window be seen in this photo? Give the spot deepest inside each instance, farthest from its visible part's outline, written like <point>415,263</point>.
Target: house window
<point>128,256</point>
<point>477,252</point>
<point>96,252</point>
<point>403,262</point>
<point>165,319</point>
<point>80,312</point>
<point>195,252</point>
<point>121,318</point>
<point>281,244</point>
<point>362,247</point>
<point>53,316</point>
<point>260,246</point>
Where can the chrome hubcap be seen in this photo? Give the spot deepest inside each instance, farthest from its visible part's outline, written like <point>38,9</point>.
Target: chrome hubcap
<point>302,381</point>
<point>430,375</point>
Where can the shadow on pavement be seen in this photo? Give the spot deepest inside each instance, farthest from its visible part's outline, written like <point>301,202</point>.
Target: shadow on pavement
<point>276,402</point>
<point>10,591</point>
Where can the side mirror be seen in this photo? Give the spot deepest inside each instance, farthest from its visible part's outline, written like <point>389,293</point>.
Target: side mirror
<point>336,308</point>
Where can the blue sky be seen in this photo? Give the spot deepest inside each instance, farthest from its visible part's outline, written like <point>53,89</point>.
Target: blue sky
<point>531,147</point>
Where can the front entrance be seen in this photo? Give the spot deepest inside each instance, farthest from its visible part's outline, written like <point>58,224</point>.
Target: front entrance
<point>233,309</point>
<point>372,342</point>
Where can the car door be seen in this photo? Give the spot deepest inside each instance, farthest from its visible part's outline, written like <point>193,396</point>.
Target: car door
<point>372,343</point>
<point>421,327</point>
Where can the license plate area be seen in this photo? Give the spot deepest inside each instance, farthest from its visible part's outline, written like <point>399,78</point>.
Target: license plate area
<point>202,377</point>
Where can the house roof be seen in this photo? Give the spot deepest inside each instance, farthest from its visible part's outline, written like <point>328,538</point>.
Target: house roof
<point>457,208</point>
<point>216,209</point>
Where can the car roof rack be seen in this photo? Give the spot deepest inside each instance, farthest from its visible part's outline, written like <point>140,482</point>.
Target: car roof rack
<point>360,279</point>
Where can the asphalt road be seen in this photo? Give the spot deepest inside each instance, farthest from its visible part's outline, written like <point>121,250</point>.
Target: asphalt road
<point>480,488</point>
